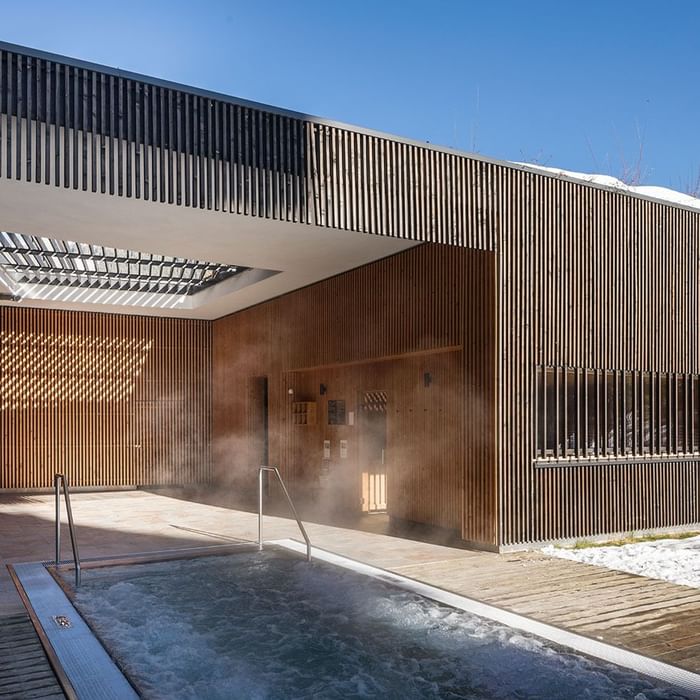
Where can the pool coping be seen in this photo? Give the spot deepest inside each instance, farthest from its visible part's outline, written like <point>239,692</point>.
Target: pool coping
<point>74,652</point>
<point>680,679</point>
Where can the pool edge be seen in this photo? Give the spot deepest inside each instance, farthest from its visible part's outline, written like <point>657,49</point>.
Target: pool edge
<point>676,677</point>
<point>54,662</point>
<point>74,652</point>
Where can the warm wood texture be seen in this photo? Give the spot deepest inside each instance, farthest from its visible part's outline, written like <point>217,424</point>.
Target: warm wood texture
<point>594,279</point>
<point>24,669</point>
<point>108,400</point>
<point>425,434</point>
<point>72,124</point>
<point>653,618</point>
<point>586,277</point>
<point>380,327</point>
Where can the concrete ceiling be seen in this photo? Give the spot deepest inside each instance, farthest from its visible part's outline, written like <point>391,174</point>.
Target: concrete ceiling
<point>286,256</point>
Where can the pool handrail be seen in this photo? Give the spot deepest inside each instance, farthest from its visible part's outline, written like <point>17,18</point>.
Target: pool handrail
<point>276,471</point>
<point>59,479</point>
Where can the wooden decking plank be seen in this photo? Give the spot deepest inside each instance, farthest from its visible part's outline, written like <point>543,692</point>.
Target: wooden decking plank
<point>635,615</point>
<point>24,669</point>
<point>23,684</point>
<point>582,613</point>
<point>681,654</point>
<point>21,666</point>
<point>92,672</point>
<point>13,648</point>
<point>677,642</point>
<point>493,585</point>
<point>25,661</point>
<point>627,609</point>
<point>45,693</point>
<point>605,587</point>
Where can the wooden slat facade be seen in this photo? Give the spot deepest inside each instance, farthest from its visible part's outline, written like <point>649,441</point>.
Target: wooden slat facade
<point>108,400</point>
<point>79,126</point>
<point>380,327</point>
<point>585,276</point>
<point>591,279</point>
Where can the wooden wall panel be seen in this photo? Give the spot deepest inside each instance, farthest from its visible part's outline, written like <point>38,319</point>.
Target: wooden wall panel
<point>585,276</point>
<point>76,125</point>
<point>594,279</point>
<point>425,436</point>
<point>385,323</point>
<point>108,400</point>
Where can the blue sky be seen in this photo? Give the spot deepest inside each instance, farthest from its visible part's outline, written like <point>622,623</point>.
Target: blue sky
<point>577,85</point>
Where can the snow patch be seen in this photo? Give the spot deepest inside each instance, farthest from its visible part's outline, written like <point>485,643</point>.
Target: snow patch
<point>676,561</point>
<point>663,193</point>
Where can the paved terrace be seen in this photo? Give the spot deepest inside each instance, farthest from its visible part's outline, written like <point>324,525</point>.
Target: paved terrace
<point>650,617</point>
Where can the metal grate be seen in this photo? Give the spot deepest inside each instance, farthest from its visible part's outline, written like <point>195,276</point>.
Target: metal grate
<point>38,260</point>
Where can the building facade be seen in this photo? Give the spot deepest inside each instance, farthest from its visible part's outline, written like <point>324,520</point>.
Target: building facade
<point>477,346</point>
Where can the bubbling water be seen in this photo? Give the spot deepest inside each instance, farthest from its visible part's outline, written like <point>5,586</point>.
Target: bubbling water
<point>267,625</point>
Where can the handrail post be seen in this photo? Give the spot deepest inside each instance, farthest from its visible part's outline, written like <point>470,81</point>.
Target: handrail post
<point>58,479</point>
<point>291,505</point>
<point>71,528</point>
<point>260,510</point>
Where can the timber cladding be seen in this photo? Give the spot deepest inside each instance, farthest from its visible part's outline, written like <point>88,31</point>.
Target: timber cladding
<point>380,327</point>
<point>108,400</point>
<point>75,125</point>
<point>593,280</point>
<point>580,276</point>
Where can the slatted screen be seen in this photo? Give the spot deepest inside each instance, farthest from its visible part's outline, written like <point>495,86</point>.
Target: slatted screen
<point>82,127</point>
<point>591,279</point>
<point>108,400</point>
<point>437,301</point>
<point>586,277</point>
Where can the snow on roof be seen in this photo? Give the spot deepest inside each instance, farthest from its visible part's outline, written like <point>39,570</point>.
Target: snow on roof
<point>663,193</point>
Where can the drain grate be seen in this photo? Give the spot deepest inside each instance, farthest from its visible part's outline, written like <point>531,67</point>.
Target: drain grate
<point>62,621</point>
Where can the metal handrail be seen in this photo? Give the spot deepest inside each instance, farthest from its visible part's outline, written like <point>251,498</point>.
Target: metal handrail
<point>57,480</point>
<point>275,470</point>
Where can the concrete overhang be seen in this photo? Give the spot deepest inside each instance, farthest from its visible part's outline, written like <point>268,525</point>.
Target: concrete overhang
<point>284,256</point>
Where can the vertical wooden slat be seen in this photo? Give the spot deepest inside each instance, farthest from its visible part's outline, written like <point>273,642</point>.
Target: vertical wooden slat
<point>84,393</point>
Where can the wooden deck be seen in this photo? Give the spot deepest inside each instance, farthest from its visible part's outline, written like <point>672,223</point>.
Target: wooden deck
<point>649,617</point>
<point>24,670</point>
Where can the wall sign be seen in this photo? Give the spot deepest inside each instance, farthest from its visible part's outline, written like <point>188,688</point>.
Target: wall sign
<point>336,413</point>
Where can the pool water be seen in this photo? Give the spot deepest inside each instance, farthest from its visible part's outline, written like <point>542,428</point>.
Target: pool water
<point>269,625</point>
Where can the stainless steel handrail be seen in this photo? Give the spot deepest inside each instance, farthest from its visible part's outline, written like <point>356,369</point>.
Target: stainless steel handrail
<point>275,470</point>
<point>57,480</point>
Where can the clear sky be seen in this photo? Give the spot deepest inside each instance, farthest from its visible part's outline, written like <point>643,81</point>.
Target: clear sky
<point>579,85</point>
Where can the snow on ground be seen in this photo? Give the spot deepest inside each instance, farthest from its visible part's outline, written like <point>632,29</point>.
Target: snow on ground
<point>677,561</point>
<point>608,181</point>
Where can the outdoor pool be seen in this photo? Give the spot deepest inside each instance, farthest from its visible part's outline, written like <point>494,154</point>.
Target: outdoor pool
<point>270,625</point>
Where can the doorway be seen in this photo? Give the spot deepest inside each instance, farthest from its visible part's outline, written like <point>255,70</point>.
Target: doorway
<point>258,422</point>
<point>373,456</point>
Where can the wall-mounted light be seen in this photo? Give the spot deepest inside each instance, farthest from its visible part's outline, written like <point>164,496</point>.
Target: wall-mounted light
<point>427,379</point>
<point>290,391</point>
<point>322,389</point>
